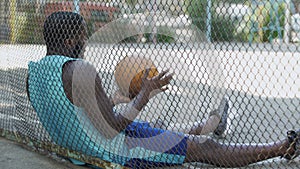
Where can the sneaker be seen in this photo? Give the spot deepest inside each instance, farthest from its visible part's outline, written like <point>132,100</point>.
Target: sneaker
<point>222,110</point>
<point>294,140</point>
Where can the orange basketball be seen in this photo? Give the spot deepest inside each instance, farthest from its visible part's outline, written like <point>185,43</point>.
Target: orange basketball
<point>136,82</point>
<point>129,73</point>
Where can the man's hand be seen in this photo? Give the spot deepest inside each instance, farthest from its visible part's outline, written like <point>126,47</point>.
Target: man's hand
<point>151,86</point>
<point>157,84</point>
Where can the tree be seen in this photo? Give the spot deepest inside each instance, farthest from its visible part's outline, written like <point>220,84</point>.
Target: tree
<point>222,27</point>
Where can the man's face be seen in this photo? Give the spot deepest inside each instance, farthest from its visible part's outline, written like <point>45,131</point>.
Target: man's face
<point>80,41</point>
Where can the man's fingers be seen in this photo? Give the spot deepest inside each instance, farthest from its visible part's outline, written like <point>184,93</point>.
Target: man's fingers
<point>163,73</point>
<point>168,77</point>
<point>166,80</point>
<point>163,89</point>
<point>158,82</point>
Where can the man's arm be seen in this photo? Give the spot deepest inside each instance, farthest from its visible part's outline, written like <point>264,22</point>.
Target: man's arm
<point>84,89</point>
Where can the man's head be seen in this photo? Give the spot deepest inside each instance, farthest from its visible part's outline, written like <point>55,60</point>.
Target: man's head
<point>65,34</point>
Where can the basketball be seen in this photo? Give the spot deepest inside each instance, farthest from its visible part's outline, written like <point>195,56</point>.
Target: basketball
<point>129,73</point>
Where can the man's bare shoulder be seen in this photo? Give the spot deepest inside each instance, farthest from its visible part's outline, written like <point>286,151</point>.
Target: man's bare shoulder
<point>78,75</point>
<point>78,71</point>
<point>78,65</point>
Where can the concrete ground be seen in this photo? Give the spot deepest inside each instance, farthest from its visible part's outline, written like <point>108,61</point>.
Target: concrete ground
<point>14,156</point>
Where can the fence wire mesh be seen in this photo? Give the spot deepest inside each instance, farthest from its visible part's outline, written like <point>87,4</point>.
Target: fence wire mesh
<point>75,83</point>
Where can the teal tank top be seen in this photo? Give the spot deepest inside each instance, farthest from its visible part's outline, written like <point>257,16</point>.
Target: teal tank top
<point>62,119</point>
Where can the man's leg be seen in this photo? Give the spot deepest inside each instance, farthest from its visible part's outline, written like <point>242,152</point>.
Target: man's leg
<point>217,122</point>
<point>208,151</point>
<point>154,147</point>
<point>203,149</point>
<point>204,128</point>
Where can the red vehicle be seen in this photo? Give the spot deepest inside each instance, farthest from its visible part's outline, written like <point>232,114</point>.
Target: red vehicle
<point>94,12</point>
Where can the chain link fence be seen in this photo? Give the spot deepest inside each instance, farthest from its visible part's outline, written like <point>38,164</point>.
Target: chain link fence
<point>236,81</point>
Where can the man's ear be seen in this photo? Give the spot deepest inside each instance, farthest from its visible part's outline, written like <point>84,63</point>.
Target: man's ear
<point>69,43</point>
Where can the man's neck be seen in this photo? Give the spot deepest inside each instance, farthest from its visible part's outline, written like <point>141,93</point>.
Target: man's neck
<point>62,52</point>
<point>54,52</point>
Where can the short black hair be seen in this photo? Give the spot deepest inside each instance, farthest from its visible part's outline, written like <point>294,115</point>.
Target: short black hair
<point>60,26</point>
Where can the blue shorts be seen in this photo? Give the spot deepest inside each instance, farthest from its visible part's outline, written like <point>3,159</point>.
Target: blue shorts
<point>169,148</point>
